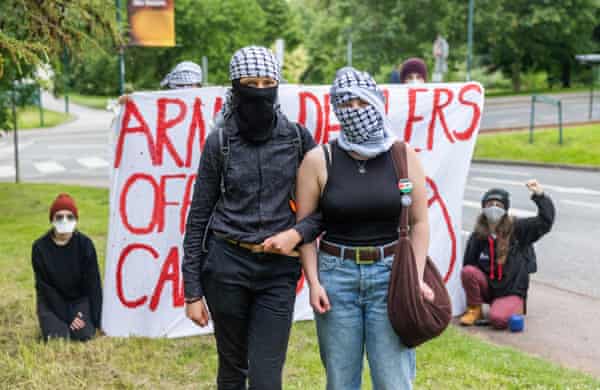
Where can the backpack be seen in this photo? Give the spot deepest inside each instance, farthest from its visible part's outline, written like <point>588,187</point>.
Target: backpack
<point>224,147</point>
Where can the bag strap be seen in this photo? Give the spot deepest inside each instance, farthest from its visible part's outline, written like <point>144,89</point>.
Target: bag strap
<point>224,147</point>
<point>401,168</point>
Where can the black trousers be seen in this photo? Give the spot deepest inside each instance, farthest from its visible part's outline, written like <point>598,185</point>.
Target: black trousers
<point>251,301</point>
<point>52,326</point>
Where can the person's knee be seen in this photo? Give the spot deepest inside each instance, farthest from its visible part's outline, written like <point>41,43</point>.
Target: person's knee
<point>498,320</point>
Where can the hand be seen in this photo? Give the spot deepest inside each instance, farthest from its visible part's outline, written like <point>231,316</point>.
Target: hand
<point>427,292</point>
<point>78,322</point>
<point>123,99</point>
<point>534,187</point>
<point>318,299</point>
<point>197,312</point>
<point>283,243</point>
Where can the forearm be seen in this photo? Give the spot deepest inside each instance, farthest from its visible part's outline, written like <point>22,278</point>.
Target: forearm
<point>308,258</point>
<point>419,237</point>
<point>310,227</point>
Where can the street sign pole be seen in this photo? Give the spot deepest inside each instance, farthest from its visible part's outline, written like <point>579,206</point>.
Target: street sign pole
<point>470,39</point>
<point>40,105</point>
<point>205,70</point>
<point>66,77</point>
<point>15,133</point>
<point>349,51</point>
<point>121,53</point>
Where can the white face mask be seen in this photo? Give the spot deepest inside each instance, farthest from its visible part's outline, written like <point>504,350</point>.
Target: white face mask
<point>414,81</point>
<point>494,213</point>
<point>64,226</point>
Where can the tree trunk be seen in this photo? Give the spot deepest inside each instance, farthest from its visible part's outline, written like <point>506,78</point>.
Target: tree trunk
<point>516,76</point>
<point>565,75</point>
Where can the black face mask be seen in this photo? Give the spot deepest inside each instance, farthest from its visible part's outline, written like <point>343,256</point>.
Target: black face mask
<point>254,111</point>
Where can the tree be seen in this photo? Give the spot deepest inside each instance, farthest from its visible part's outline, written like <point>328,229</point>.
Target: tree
<point>37,32</point>
<point>524,35</point>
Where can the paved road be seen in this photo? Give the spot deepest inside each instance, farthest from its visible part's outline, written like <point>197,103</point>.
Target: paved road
<point>76,152</point>
<point>510,112</point>
<point>569,257</point>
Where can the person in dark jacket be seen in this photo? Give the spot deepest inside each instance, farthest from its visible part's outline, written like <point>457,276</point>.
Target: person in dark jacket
<point>413,71</point>
<point>242,197</point>
<point>499,256</point>
<point>67,279</point>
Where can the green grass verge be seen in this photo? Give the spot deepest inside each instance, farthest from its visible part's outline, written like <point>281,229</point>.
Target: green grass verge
<point>580,146</point>
<point>453,361</point>
<point>509,92</point>
<point>92,101</point>
<point>29,118</point>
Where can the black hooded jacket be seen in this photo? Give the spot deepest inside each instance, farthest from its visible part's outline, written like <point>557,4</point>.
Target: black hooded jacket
<point>512,278</point>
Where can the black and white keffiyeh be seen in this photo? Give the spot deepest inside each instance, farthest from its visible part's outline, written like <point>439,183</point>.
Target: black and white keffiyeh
<point>184,74</point>
<point>366,130</point>
<point>254,61</point>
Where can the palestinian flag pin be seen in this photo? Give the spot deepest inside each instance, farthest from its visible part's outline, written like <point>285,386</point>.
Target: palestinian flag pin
<point>405,186</point>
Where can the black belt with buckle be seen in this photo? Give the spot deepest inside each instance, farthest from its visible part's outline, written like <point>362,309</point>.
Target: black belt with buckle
<point>360,255</point>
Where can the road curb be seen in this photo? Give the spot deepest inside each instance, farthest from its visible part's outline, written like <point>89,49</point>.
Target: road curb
<point>584,168</point>
<point>544,126</point>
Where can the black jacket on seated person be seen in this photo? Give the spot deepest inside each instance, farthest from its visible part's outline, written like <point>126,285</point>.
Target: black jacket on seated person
<point>67,281</point>
<point>513,279</point>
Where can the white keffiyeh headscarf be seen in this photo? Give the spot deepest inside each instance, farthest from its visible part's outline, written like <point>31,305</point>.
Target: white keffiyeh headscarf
<point>250,61</point>
<point>367,130</point>
<point>185,73</point>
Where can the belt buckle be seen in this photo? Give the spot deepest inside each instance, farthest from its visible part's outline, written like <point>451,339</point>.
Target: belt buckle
<point>357,258</point>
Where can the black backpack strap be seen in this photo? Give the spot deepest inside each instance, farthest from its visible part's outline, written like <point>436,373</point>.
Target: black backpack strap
<point>298,144</point>
<point>224,147</point>
<point>224,160</point>
<point>327,157</point>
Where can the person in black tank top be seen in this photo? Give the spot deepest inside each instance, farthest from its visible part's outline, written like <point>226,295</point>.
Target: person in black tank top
<point>352,182</point>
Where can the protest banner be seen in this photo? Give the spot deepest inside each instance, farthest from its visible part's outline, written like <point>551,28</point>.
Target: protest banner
<point>159,138</point>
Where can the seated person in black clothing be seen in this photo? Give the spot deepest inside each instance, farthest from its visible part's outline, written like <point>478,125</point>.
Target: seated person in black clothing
<point>67,280</point>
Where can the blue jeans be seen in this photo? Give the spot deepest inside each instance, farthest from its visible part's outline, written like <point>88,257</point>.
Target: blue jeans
<point>358,318</point>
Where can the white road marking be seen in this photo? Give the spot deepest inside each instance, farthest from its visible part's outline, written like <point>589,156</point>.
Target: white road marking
<point>9,149</point>
<point>500,171</point>
<point>7,171</point>
<point>93,162</point>
<point>564,190</point>
<point>513,211</point>
<point>78,146</point>
<point>475,188</point>
<point>49,167</point>
<point>581,204</point>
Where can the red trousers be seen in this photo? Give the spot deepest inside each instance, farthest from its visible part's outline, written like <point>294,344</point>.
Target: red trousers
<point>476,288</point>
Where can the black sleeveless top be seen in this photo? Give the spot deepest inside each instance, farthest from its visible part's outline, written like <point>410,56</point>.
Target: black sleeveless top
<point>360,209</point>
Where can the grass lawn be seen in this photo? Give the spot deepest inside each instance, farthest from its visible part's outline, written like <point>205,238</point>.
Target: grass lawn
<point>581,146</point>
<point>556,90</point>
<point>453,361</point>
<point>29,118</point>
<point>92,101</point>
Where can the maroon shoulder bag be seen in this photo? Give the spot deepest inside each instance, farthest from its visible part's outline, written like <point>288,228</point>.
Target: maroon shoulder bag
<point>415,319</point>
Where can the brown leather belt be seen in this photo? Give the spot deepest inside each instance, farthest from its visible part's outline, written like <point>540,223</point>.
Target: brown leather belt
<point>360,255</point>
<point>254,248</point>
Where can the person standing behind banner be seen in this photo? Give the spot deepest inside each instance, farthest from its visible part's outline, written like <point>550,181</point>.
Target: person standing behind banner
<point>67,279</point>
<point>243,195</point>
<point>353,182</point>
<point>413,71</point>
<point>186,74</point>
<point>499,256</point>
